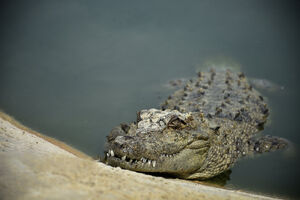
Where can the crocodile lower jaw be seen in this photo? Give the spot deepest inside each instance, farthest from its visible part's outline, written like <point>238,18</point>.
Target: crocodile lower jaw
<point>143,163</point>
<point>163,164</point>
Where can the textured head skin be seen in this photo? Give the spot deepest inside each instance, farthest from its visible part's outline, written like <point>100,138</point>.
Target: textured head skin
<point>139,146</point>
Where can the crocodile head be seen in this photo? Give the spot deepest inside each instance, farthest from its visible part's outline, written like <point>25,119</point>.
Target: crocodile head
<point>160,142</point>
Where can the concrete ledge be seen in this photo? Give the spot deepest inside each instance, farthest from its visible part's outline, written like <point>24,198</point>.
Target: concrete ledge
<point>34,166</point>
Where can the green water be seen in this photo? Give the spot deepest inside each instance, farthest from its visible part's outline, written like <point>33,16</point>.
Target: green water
<point>75,69</point>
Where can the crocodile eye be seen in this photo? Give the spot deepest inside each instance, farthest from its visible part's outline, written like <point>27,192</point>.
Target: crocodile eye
<point>176,123</point>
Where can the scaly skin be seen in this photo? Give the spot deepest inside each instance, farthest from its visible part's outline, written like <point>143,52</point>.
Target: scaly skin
<point>200,131</point>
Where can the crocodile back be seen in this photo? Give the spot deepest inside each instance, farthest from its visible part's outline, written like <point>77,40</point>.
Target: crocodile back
<point>221,93</point>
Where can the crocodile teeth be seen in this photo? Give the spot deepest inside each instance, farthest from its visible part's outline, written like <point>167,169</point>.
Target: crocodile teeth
<point>144,160</point>
<point>153,163</point>
<point>124,158</point>
<point>149,162</point>
<point>112,153</point>
<point>130,160</point>
<point>107,154</point>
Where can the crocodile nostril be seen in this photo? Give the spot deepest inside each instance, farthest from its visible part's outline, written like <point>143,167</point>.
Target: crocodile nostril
<point>117,131</point>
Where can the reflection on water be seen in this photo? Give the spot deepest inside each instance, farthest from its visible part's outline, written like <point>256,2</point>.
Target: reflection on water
<point>73,70</point>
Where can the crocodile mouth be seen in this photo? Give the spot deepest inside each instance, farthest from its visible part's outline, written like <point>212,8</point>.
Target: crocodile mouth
<point>165,163</point>
<point>142,162</point>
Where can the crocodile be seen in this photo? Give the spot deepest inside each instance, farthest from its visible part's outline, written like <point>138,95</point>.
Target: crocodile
<point>199,132</point>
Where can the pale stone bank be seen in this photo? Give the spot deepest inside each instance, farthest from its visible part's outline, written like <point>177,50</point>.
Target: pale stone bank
<point>33,166</point>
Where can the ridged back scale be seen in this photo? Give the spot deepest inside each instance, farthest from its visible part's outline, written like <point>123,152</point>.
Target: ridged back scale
<point>219,93</point>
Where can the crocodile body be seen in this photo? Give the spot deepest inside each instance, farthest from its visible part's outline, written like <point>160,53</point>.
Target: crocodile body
<point>200,131</point>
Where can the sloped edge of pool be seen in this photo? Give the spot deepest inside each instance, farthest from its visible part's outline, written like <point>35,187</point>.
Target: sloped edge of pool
<point>34,166</point>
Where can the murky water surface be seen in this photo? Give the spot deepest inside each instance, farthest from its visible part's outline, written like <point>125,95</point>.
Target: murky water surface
<point>75,69</point>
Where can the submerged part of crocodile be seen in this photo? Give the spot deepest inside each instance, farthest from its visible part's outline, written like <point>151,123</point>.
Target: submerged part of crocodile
<point>199,132</point>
